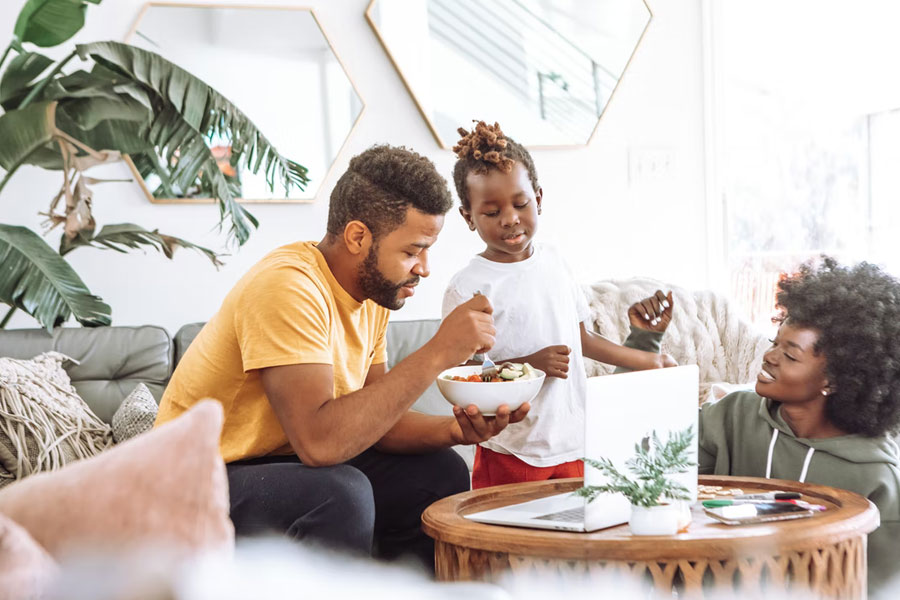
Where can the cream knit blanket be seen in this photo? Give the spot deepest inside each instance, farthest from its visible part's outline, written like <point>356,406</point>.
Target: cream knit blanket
<point>704,331</point>
<point>44,424</point>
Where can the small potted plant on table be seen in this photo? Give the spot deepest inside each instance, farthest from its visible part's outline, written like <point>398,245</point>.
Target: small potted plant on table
<point>657,500</point>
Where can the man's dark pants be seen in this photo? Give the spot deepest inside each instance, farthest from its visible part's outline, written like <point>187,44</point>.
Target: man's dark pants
<point>372,504</point>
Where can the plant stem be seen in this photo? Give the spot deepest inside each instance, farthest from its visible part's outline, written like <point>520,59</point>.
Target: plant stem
<point>7,176</point>
<point>5,54</point>
<point>15,168</point>
<point>43,83</point>
<point>8,316</point>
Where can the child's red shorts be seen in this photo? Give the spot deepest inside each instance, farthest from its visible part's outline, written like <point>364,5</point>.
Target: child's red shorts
<point>494,468</point>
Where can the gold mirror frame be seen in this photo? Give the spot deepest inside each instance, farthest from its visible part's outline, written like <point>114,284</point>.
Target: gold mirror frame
<point>431,125</point>
<point>274,200</point>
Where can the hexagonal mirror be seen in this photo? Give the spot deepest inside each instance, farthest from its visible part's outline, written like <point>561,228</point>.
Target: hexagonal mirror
<point>277,66</point>
<point>545,69</point>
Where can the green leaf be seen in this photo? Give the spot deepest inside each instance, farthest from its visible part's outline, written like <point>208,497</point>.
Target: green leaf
<point>205,112</point>
<point>124,236</point>
<point>124,137</point>
<point>24,131</point>
<point>20,72</point>
<point>651,465</point>
<point>187,149</point>
<point>47,23</point>
<point>87,113</point>
<point>40,282</point>
<point>47,157</point>
<point>148,164</point>
<point>99,82</point>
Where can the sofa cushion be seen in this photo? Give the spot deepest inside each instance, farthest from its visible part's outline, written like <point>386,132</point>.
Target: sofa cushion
<point>183,339</point>
<point>26,569</point>
<point>404,338</point>
<point>44,425</point>
<point>111,360</point>
<point>167,487</point>
<point>136,415</point>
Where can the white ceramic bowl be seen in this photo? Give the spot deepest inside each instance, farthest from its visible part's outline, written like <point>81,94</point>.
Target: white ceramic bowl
<point>488,397</point>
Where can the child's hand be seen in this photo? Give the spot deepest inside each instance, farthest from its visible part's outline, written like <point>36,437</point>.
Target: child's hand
<point>552,360</point>
<point>653,313</point>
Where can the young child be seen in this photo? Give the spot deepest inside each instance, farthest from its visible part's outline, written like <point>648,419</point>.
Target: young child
<point>827,398</point>
<point>539,311</point>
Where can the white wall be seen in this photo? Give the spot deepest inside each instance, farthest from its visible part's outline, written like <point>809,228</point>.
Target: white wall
<point>612,221</point>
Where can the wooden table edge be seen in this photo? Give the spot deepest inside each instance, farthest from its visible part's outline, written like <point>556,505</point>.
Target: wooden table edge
<point>444,522</point>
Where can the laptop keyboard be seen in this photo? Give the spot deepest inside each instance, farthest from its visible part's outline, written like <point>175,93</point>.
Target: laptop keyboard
<point>572,515</point>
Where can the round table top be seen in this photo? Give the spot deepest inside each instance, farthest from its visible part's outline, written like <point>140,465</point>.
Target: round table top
<point>848,515</point>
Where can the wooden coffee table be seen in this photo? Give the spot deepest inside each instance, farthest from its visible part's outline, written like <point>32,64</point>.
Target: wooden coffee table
<point>824,555</point>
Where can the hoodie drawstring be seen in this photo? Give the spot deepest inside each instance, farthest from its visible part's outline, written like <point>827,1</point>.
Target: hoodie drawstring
<point>806,462</point>
<point>771,449</point>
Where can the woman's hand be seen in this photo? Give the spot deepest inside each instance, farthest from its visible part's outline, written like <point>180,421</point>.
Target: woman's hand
<point>653,313</point>
<point>552,360</point>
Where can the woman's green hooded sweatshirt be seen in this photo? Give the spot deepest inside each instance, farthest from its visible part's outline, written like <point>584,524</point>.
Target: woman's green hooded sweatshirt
<point>744,434</point>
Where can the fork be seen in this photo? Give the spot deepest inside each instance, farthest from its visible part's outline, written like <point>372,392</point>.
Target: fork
<point>488,368</point>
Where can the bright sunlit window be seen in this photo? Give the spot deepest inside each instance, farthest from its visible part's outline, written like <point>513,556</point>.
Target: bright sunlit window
<point>806,121</point>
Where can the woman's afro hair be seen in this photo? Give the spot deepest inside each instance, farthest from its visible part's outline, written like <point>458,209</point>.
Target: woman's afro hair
<point>856,311</point>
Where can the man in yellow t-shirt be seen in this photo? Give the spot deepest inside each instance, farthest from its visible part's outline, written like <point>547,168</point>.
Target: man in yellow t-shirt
<point>318,438</point>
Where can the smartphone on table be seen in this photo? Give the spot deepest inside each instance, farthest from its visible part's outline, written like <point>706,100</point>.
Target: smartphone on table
<point>759,512</point>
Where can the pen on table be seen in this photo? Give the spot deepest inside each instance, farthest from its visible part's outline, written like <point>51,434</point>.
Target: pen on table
<point>770,496</point>
<point>718,503</point>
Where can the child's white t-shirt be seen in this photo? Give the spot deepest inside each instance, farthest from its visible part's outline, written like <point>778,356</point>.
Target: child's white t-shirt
<point>537,303</point>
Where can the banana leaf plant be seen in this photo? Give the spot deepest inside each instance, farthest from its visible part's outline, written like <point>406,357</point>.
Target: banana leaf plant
<point>99,103</point>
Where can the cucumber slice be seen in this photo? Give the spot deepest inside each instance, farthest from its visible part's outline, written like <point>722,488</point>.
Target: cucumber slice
<point>509,374</point>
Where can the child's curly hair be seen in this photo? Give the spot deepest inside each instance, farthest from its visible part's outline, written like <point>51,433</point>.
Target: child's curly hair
<point>486,148</point>
<point>857,313</point>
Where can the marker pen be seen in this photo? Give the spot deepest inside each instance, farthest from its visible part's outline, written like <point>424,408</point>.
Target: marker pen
<point>724,502</point>
<point>736,501</point>
<point>770,496</point>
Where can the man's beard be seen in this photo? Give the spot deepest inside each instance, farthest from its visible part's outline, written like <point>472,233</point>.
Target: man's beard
<point>377,287</point>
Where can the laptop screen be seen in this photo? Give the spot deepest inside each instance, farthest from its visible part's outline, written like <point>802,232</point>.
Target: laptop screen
<point>625,409</point>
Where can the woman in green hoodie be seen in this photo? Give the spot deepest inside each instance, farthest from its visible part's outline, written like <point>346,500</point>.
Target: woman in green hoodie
<point>827,397</point>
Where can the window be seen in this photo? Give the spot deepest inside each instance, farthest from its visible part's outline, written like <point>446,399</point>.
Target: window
<point>804,139</point>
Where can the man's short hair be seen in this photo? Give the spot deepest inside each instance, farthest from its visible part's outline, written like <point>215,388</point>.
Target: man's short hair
<point>381,184</point>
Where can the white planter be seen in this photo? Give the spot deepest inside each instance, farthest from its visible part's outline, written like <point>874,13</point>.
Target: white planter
<point>663,519</point>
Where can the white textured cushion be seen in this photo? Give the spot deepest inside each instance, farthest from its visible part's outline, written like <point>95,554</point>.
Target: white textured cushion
<point>706,330</point>
<point>44,423</point>
<point>136,415</point>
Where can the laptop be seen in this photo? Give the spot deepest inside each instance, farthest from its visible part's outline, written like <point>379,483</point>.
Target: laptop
<point>620,411</point>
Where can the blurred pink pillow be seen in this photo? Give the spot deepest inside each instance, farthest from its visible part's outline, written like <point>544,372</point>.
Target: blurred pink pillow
<point>166,487</point>
<point>25,568</point>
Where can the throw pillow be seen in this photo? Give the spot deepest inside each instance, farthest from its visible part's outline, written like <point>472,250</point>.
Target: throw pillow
<point>135,415</point>
<point>44,424</point>
<point>167,487</point>
<point>25,568</point>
